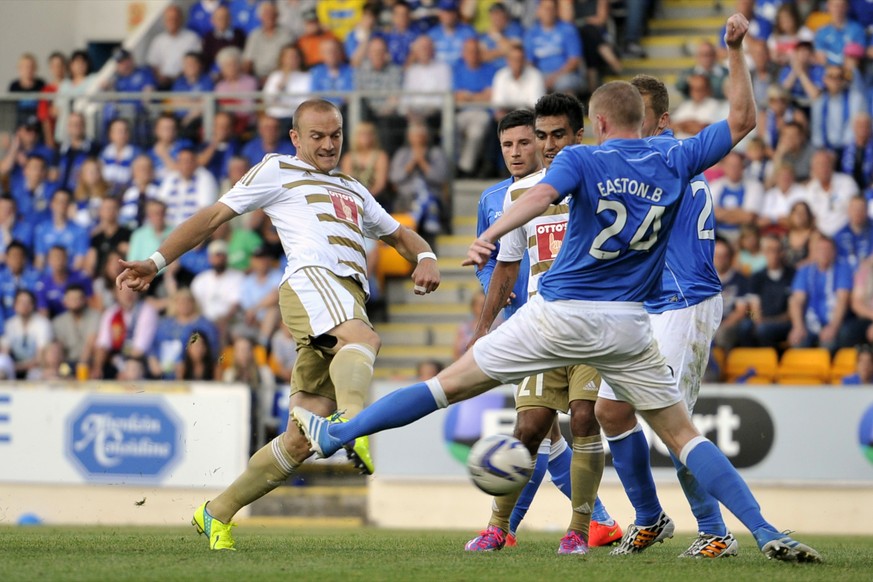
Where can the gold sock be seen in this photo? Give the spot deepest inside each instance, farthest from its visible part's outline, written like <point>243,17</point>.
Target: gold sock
<point>268,468</point>
<point>586,469</point>
<point>351,372</point>
<point>501,510</point>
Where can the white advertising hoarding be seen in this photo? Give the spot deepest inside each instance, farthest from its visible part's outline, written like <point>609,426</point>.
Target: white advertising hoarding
<point>176,435</point>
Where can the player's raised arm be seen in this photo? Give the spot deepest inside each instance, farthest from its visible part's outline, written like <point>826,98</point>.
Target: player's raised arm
<point>742,116</point>
<point>138,275</point>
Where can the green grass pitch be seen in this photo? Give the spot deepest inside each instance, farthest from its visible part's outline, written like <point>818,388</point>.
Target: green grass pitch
<point>137,553</point>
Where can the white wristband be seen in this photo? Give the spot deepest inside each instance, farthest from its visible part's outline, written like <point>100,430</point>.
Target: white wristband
<point>426,255</point>
<point>159,260</point>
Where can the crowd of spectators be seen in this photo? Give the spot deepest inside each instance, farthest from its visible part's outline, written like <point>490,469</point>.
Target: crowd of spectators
<point>792,204</point>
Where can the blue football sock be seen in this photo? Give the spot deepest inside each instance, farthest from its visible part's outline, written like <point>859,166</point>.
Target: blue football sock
<point>600,515</point>
<point>399,408</point>
<point>630,457</point>
<point>719,478</point>
<point>703,505</point>
<point>560,458</point>
<point>530,490</point>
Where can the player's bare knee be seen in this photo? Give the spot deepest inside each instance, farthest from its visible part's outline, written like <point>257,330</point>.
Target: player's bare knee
<point>582,420</point>
<point>614,417</point>
<point>532,426</point>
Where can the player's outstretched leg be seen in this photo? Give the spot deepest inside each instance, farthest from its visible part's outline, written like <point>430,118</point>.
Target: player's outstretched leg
<point>713,538</point>
<point>630,456</point>
<point>399,408</point>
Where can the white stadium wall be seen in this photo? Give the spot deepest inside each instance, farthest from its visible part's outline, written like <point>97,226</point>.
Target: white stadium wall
<point>43,26</point>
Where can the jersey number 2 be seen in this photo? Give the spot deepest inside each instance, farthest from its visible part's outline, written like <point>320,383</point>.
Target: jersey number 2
<point>703,233</point>
<point>637,243</point>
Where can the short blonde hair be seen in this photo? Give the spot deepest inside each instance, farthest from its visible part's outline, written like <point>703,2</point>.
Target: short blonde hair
<point>620,103</point>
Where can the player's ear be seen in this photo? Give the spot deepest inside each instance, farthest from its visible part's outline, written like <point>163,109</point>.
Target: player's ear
<point>580,134</point>
<point>664,121</point>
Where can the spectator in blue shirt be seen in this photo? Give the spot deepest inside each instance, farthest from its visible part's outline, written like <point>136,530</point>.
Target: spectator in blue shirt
<point>215,155</point>
<point>555,49</point>
<point>244,14</point>
<point>167,146</point>
<point>59,230</point>
<point>802,76</point>
<point>74,150</point>
<point>24,145</point>
<point>854,241</point>
<point>15,274</point>
<point>333,74</point>
<point>833,111</point>
<point>57,276</point>
<point>472,83</point>
<point>450,34</point>
<point>857,160</point>
<point>831,39</point>
<point>174,330</point>
<point>33,192</point>
<point>502,34</point>
<point>268,141</point>
<point>820,298</point>
<point>360,36</point>
<point>401,35</point>
<point>200,16</point>
<point>193,79</point>
<point>129,78</point>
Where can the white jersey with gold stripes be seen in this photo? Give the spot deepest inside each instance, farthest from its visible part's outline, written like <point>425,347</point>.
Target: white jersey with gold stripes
<point>541,236</point>
<point>321,218</point>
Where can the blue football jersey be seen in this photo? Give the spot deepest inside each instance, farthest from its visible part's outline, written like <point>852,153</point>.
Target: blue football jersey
<point>490,209</point>
<point>626,193</point>
<point>689,275</point>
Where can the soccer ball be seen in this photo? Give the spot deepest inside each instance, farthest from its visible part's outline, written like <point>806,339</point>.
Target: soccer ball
<point>499,464</point>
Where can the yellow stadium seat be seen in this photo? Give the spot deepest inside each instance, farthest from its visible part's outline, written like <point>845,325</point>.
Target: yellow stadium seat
<point>752,365</point>
<point>390,263</point>
<point>845,361</point>
<point>817,19</point>
<point>805,366</point>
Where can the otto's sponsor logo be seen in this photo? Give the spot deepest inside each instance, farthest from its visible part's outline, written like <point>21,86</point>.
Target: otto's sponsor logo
<point>115,438</point>
<point>550,237</point>
<point>344,206</point>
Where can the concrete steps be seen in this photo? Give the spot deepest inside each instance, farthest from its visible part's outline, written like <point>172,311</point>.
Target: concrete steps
<point>671,9</point>
<point>449,292</point>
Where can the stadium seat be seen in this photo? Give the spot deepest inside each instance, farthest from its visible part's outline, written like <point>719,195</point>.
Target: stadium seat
<point>751,365</point>
<point>844,364</point>
<point>805,366</point>
<point>390,263</point>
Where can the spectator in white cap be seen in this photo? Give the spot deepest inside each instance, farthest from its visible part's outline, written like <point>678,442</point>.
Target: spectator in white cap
<point>218,289</point>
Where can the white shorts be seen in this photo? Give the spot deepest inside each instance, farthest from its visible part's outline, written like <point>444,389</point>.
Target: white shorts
<point>684,337</point>
<point>612,337</point>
